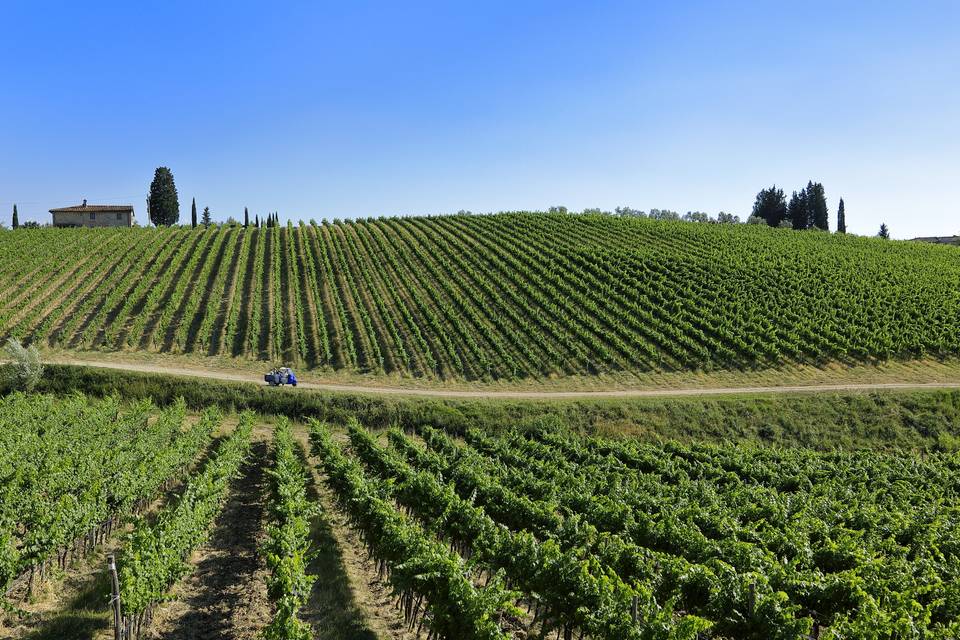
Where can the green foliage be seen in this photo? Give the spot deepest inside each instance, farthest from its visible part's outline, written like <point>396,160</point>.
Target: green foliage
<point>909,420</point>
<point>760,542</point>
<point>72,465</point>
<point>16,218</point>
<point>841,218</point>
<point>884,232</point>
<point>155,556</point>
<point>816,200</point>
<point>193,213</point>
<point>163,204</point>
<point>512,296</point>
<point>663,214</point>
<point>797,210</point>
<point>418,563</point>
<point>207,218</point>
<point>770,205</point>
<point>287,547</point>
<point>23,369</point>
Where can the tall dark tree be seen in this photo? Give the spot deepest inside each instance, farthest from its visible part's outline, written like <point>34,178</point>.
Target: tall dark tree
<point>771,205</point>
<point>193,213</point>
<point>207,219</point>
<point>797,210</point>
<point>246,218</point>
<point>884,231</point>
<point>16,218</point>
<point>163,204</point>
<point>818,214</point>
<point>841,218</point>
<point>256,221</point>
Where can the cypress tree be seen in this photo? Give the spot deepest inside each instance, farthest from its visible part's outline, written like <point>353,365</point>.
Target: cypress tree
<point>246,218</point>
<point>256,221</point>
<point>817,212</point>
<point>771,205</point>
<point>207,218</point>
<point>193,213</point>
<point>841,218</point>
<point>797,210</point>
<point>163,203</point>
<point>884,231</point>
<point>16,218</point>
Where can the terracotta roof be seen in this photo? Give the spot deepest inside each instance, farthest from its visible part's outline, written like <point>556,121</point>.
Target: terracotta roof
<point>95,208</point>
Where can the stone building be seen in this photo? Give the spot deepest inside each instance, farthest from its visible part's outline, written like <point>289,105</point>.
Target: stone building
<point>93,215</point>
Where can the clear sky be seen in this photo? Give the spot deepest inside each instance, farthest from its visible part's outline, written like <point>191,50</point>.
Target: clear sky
<point>354,109</point>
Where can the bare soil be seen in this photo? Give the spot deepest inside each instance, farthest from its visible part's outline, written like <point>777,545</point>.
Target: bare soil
<point>348,602</point>
<point>908,376</point>
<point>225,595</point>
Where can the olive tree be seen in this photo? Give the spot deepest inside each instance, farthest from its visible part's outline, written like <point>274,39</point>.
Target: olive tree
<point>23,368</point>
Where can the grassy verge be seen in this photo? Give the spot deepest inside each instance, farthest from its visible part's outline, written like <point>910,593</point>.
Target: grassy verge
<point>920,420</point>
<point>928,370</point>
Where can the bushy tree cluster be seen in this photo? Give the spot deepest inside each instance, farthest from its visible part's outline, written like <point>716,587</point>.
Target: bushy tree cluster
<point>807,208</point>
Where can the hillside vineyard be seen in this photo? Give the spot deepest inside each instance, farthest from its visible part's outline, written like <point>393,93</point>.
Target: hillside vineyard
<point>484,297</point>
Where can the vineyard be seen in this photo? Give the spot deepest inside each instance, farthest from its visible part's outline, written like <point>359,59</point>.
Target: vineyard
<point>508,296</point>
<point>533,533</point>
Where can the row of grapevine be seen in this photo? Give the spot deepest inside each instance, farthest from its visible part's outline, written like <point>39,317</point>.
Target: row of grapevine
<point>568,584</point>
<point>259,287</point>
<point>235,302</point>
<point>487,297</point>
<point>431,581</point>
<point>287,548</point>
<point>71,468</point>
<point>762,543</point>
<point>155,556</point>
<point>212,306</point>
<point>154,294</point>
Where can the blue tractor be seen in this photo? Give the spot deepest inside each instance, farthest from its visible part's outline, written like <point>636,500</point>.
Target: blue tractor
<point>280,376</point>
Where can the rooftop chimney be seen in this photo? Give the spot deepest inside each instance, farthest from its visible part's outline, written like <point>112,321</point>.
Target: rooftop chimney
<point>84,202</point>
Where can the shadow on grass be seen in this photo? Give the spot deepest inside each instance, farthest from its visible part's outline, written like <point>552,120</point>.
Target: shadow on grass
<point>84,616</point>
<point>332,610</point>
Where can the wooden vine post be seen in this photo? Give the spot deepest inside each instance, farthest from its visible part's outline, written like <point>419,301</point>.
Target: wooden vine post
<point>115,596</point>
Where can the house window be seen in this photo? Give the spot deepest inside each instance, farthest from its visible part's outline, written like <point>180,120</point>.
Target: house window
<point>93,216</point>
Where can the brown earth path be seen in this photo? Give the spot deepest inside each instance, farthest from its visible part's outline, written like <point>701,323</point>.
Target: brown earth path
<point>522,395</point>
<point>225,595</point>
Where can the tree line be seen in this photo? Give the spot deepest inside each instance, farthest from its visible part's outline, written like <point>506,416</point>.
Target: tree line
<point>807,209</point>
<point>163,206</point>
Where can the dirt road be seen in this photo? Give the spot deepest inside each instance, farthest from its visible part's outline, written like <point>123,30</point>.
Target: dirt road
<point>522,395</point>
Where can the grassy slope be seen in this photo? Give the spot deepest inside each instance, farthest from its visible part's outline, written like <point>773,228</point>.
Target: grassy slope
<point>516,298</point>
<point>927,420</point>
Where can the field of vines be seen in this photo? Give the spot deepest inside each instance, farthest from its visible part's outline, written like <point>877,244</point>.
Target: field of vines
<point>507,296</point>
<point>478,535</point>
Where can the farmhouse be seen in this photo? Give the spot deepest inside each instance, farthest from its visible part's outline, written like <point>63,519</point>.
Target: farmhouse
<point>93,215</point>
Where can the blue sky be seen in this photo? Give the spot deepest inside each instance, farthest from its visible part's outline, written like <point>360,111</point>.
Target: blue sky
<point>354,109</point>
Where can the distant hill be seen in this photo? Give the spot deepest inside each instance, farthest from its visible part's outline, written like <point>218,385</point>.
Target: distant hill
<point>469,297</point>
